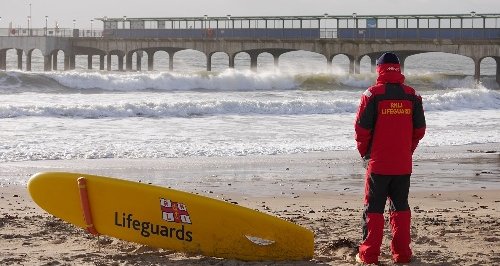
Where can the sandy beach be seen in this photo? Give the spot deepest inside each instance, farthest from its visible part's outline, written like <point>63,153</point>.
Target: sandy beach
<point>454,199</point>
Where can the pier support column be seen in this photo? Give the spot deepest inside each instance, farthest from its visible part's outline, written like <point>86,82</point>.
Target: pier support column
<point>276,55</point>
<point>329,63</point>
<point>497,60</point>
<point>108,61</point>
<point>151,61</point>
<point>357,64</point>
<point>276,61</point>
<point>373,63</point>
<point>89,61</point>
<point>253,61</point>
<point>402,60</point>
<point>351,66</point>
<point>101,62</point>
<point>66,62</point>
<point>72,61</point>
<point>3,60</point>
<point>209,62</point>
<point>477,70</point>
<point>19,59</point>
<point>54,60</point>
<point>120,62</point>
<point>171,61</point>
<point>139,60</point>
<point>47,62</point>
<point>28,60</point>
<point>128,62</point>
<point>231,61</point>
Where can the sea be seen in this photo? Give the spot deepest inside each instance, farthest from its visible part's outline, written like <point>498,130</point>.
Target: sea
<point>300,106</point>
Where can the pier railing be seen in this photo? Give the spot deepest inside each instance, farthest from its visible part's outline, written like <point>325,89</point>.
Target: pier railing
<point>277,34</point>
<point>50,32</point>
<point>468,26</point>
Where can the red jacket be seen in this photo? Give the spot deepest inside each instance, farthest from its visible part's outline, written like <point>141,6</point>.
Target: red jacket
<point>390,122</point>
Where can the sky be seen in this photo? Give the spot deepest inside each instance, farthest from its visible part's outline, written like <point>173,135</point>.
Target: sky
<point>64,12</point>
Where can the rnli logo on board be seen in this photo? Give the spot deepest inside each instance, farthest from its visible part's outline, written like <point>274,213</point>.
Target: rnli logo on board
<point>174,212</point>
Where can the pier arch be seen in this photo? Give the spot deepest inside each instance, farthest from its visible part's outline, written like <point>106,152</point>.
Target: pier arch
<point>119,55</point>
<point>489,66</point>
<point>139,57</point>
<point>160,60</point>
<point>312,61</point>
<point>37,61</point>
<point>242,60</point>
<point>366,64</point>
<point>266,62</point>
<point>184,60</point>
<point>95,61</point>
<point>81,61</point>
<point>85,58</point>
<point>417,63</point>
<point>342,63</point>
<point>52,60</point>
<point>9,59</point>
<point>219,61</point>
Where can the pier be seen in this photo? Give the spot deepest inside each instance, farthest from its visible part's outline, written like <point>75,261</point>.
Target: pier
<point>476,36</point>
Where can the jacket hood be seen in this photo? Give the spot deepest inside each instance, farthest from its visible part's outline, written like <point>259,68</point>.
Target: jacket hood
<point>389,73</point>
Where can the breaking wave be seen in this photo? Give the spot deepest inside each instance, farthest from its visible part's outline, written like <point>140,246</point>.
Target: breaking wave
<point>228,80</point>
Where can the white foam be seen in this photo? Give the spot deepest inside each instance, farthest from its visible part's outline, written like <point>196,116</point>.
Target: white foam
<point>184,104</point>
<point>170,81</point>
<point>209,104</point>
<point>462,98</point>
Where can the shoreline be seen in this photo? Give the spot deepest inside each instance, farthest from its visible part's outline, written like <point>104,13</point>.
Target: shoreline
<point>452,224</point>
<point>443,168</point>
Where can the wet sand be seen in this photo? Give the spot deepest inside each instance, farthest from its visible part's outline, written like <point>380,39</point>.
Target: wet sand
<point>453,223</point>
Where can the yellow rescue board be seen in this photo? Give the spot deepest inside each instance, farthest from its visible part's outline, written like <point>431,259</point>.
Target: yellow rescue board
<point>171,219</point>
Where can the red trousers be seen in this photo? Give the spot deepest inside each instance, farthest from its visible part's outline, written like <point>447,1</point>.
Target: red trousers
<point>379,188</point>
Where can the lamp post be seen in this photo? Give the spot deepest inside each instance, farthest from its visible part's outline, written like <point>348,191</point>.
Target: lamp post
<point>124,20</point>
<point>229,20</point>
<point>472,14</point>
<point>46,24</point>
<point>354,15</point>
<point>91,27</point>
<point>105,22</point>
<point>74,24</point>
<point>29,31</point>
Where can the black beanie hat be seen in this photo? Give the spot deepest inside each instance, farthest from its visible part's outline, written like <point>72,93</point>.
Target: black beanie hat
<point>388,58</point>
